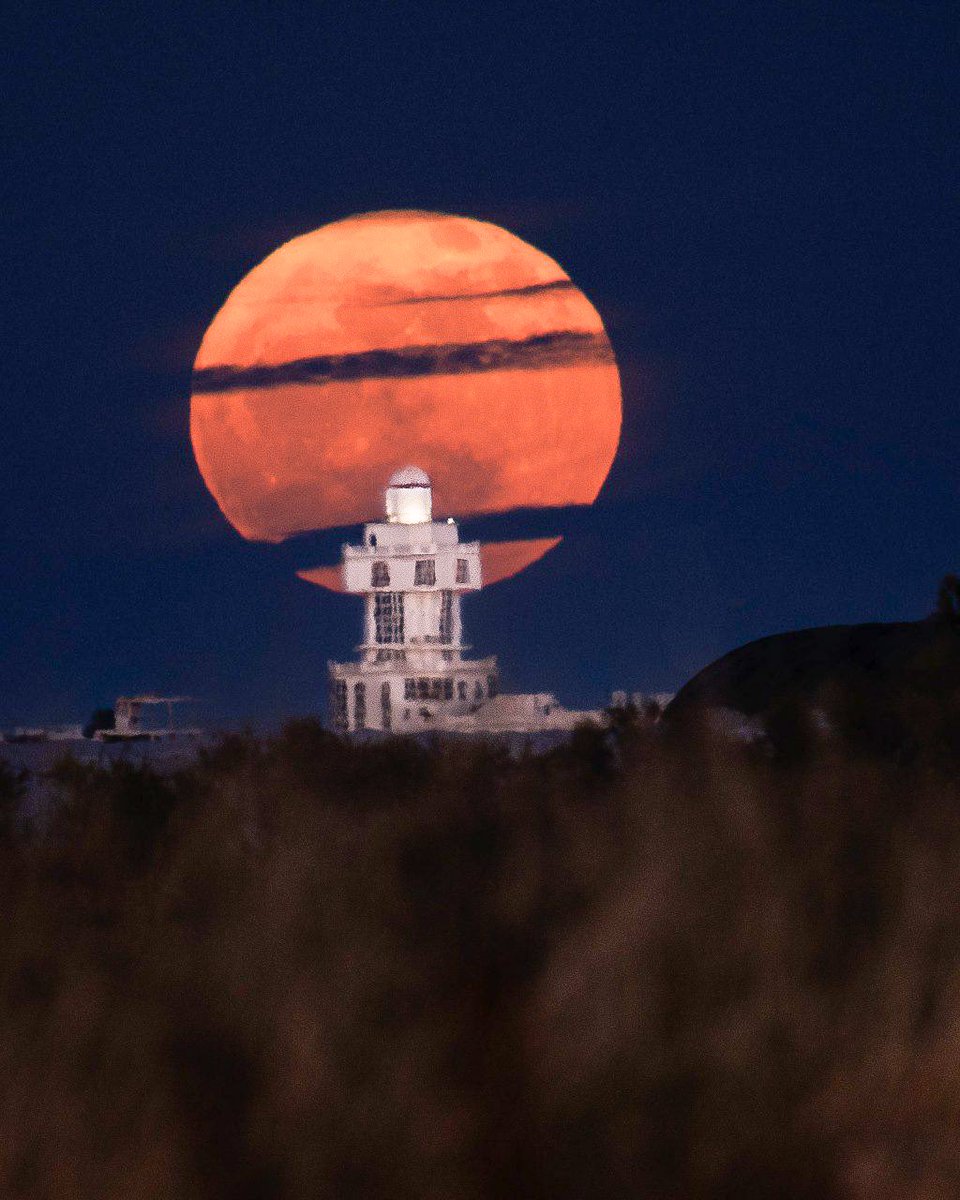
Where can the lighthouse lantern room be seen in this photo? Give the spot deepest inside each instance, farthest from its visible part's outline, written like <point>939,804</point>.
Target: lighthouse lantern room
<point>412,572</point>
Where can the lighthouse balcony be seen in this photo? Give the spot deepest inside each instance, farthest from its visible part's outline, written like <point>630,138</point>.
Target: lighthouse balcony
<point>414,658</point>
<point>412,663</point>
<point>414,646</point>
<point>381,537</point>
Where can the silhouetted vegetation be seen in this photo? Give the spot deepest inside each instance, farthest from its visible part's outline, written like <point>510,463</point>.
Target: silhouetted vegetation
<point>11,793</point>
<point>100,719</point>
<point>948,599</point>
<point>651,962</point>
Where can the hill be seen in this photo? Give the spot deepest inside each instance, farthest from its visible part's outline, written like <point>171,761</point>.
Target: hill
<point>881,663</point>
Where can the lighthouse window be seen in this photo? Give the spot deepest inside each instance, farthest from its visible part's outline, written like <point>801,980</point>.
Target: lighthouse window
<point>427,689</point>
<point>478,690</point>
<point>359,706</point>
<point>425,573</point>
<point>388,616</point>
<point>380,575</point>
<point>340,704</point>
<point>462,689</point>
<point>463,571</point>
<point>430,689</point>
<point>391,656</point>
<point>446,617</point>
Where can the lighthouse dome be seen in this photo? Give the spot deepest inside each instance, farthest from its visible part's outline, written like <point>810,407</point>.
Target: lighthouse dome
<point>409,499</point>
<point>409,477</point>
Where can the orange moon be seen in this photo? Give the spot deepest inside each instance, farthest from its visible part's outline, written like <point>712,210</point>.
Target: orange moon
<point>395,338</point>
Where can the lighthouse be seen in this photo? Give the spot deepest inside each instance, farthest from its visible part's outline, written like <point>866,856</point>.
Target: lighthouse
<point>412,571</point>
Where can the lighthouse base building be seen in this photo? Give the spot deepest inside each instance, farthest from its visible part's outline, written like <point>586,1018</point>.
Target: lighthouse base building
<point>413,674</point>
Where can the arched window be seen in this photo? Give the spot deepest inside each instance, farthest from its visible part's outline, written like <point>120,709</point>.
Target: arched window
<point>340,704</point>
<point>359,706</point>
<point>385,705</point>
<point>446,618</point>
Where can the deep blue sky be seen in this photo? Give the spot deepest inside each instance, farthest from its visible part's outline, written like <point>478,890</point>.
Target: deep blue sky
<point>760,200</point>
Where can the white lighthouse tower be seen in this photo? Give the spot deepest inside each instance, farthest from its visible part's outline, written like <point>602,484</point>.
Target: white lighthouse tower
<point>412,571</point>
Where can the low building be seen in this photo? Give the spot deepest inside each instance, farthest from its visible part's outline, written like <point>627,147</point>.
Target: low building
<point>129,724</point>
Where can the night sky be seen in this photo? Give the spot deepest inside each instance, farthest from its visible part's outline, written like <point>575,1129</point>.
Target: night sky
<point>760,200</point>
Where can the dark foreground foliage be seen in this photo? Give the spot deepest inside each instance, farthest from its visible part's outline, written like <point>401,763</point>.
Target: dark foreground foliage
<point>652,964</point>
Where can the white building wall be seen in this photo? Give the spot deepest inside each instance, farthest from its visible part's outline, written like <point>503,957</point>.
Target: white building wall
<point>401,562</point>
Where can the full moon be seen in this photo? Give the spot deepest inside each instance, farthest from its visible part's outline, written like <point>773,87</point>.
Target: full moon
<point>395,338</point>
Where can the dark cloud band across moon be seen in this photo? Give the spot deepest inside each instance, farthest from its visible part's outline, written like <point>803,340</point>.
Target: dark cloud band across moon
<point>543,351</point>
<point>532,289</point>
